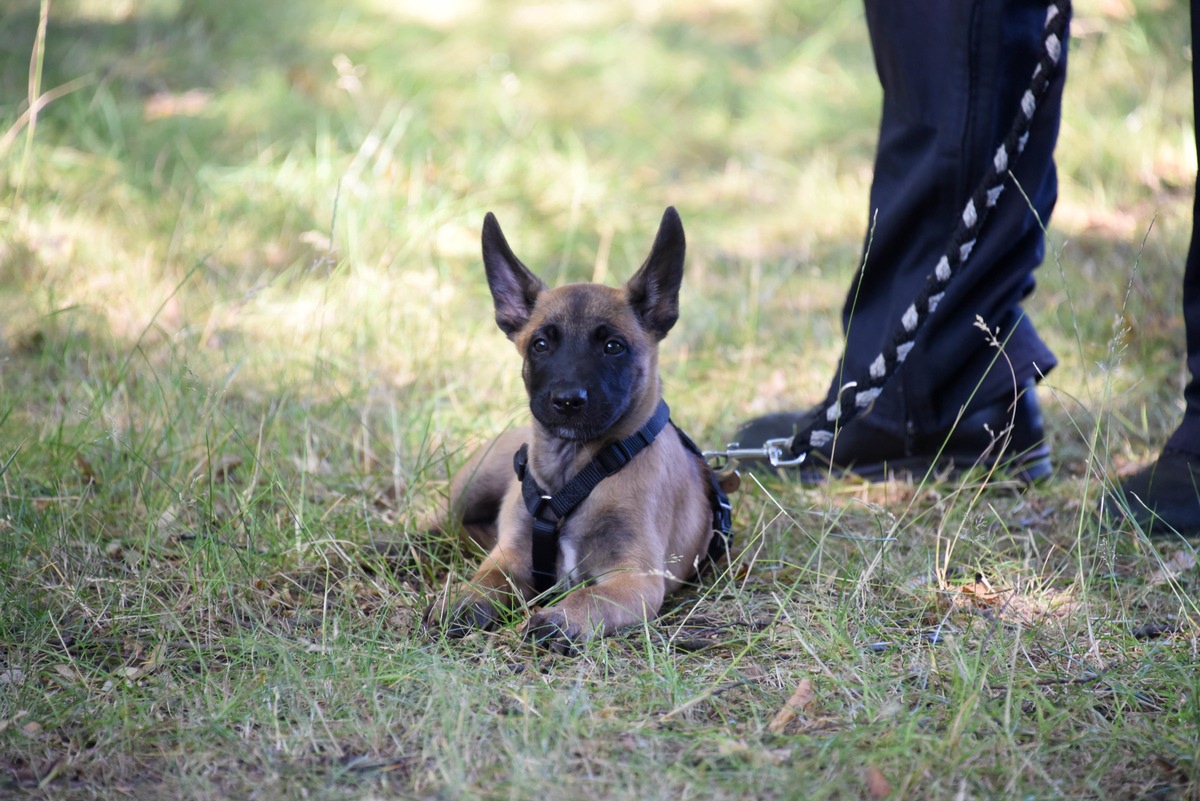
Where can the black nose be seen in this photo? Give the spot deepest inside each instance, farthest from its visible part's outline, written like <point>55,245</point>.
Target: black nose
<point>570,400</point>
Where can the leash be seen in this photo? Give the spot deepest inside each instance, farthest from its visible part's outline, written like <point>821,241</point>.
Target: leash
<point>548,511</point>
<point>786,451</point>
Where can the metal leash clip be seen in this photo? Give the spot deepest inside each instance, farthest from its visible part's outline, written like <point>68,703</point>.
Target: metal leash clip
<point>773,450</point>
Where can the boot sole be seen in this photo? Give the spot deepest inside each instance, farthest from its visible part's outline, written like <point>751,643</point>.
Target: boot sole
<point>1030,467</point>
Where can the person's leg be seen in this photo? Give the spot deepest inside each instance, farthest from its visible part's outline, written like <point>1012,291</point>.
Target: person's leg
<point>1187,437</point>
<point>953,76</point>
<point>1165,496</point>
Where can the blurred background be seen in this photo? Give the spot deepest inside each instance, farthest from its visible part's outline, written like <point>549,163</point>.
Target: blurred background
<point>240,202</point>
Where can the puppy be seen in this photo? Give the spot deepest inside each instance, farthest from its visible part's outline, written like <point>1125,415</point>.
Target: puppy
<point>606,507</point>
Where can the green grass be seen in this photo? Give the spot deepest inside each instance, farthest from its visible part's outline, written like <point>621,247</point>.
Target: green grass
<point>244,334</point>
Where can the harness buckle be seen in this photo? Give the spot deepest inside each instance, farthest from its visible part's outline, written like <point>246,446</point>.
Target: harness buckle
<point>613,458</point>
<point>539,506</point>
<point>723,515</point>
<point>544,531</point>
<point>774,451</point>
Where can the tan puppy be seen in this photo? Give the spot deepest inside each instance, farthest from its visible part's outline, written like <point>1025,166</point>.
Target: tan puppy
<point>591,371</point>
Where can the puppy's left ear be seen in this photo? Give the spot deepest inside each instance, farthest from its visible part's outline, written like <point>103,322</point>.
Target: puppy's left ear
<point>653,292</point>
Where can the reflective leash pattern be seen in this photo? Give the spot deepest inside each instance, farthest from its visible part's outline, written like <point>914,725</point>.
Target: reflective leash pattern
<point>860,394</point>
<point>821,432</point>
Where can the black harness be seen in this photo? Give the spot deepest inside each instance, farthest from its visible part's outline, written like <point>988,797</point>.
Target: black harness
<point>549,511</point>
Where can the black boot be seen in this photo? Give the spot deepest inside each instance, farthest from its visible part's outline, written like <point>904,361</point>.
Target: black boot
<point>1163,498</point>
<point>1002,433</point>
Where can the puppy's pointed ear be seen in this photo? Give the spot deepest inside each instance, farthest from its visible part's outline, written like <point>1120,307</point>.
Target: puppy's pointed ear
<point>514,287</point>
<point>653,292</point>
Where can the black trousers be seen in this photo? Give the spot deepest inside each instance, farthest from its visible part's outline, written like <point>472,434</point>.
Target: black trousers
<point>953,73</point>
<point>1187,437</point>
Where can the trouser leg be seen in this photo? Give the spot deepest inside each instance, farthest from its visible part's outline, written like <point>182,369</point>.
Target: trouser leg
<point>1187,437</point>
<point>953,74</point>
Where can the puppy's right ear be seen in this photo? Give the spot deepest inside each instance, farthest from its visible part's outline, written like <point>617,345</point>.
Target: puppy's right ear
<point>514,287</point>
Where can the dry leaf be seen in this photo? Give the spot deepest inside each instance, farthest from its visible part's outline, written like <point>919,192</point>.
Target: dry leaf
<point>168,525</point>
<point>1173,567</point>
<point>738,748</point>
<point>982,592</point>
<point>795,705</point>
<point>85,467</point>
<point>155,659</point>
<point>224,466</point>
<point>877,784</point>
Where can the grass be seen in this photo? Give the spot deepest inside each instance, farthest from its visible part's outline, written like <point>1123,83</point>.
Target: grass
<point>244,334</point>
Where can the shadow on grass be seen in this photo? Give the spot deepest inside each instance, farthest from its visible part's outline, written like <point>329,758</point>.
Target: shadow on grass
<point>177,85</point>
<point>178,530</point>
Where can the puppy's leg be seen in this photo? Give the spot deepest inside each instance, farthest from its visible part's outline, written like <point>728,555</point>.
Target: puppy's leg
<point>622,598</point>
<point>479,604</point>
<point>478,489</point>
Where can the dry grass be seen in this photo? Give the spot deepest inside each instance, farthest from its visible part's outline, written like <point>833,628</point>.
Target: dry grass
<point>243,334</point>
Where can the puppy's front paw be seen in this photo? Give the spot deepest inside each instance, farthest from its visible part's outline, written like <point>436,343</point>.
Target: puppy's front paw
<point>550,629</point>
<point>460,618</point>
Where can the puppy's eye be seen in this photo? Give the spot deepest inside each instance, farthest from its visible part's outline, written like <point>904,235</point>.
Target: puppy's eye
<point>614,347</point>
<point>539,345</point>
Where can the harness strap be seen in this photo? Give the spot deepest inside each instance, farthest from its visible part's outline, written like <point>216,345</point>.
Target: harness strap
<point>722,526</point>
<point>548,511</point>
<point>863,392</point>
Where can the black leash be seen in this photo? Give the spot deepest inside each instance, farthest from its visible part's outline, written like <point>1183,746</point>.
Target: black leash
<point>820,432</point>
<point>548,511</point>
